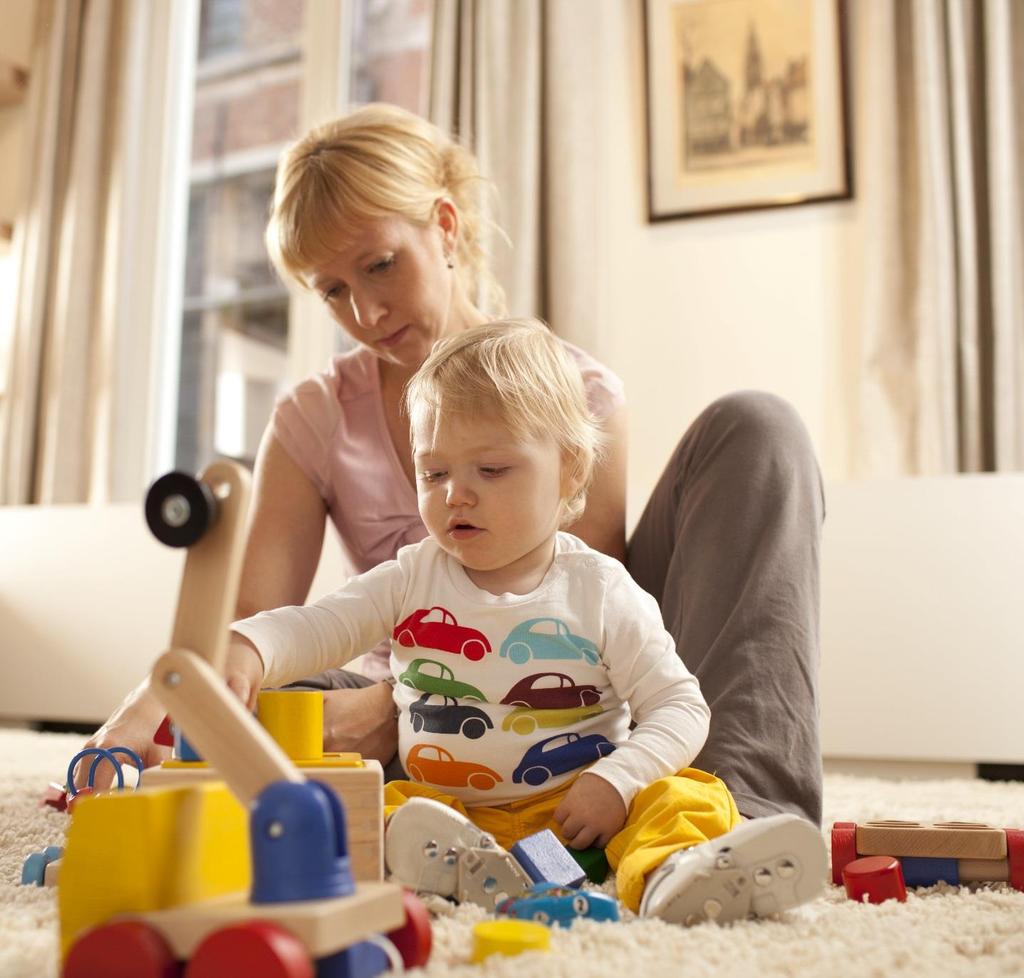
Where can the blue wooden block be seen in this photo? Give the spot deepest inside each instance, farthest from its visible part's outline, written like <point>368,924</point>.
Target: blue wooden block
<point>923,871</point>
<point>546,860</point>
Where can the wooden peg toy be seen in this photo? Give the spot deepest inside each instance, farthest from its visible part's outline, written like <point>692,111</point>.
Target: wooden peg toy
<point>202,894</point>
<point>546,860</point>
<point>950,852</point>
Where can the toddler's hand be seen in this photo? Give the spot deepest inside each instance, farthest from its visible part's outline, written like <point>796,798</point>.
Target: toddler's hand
<point>591,812</point>
<point>243,670</point>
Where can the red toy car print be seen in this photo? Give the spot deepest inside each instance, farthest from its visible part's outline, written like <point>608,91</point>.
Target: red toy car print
<point>436,628</point>
<point>551,691</point>
<point>431,763</point>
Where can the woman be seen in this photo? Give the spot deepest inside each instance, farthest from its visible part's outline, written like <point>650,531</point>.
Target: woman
<point>377,212</point>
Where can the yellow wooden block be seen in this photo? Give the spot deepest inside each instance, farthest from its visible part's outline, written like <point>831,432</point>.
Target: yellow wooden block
<point>357,782</point>
<point>132,851</point>
<point>943,840</point>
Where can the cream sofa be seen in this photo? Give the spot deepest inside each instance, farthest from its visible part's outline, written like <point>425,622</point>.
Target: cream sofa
<point>922,630</point>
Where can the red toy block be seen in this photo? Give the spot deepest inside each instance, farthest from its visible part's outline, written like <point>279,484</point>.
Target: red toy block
<point>126,949</point>
<point>1015,856</point>
<point>55,796</point>
<point>844,848</point>
<point>415,937</point>
<point>879,878</point>
<point>164,736</point>
<point>253,948</point>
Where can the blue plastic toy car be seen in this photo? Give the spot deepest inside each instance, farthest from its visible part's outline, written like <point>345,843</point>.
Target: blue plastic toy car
<point>548,903</point>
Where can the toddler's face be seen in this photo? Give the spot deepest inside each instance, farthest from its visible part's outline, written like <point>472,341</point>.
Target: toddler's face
<point>490,498</point>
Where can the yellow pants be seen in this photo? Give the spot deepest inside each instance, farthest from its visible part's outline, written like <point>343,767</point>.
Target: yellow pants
<point>672,813</point>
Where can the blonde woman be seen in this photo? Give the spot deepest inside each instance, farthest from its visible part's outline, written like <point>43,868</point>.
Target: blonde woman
<point>378,214</point>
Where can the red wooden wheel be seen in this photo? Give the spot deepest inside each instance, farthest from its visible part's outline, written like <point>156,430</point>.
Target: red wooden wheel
<point>125,949</point>
<point>414,938</point>
<point>1015,855</point>
<point>250,949</point>
<point>844,848</point>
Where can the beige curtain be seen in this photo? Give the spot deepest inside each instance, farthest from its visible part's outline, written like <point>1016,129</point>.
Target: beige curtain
<point>51,424</point>
<point>515,80</point>
<point>942,184</point>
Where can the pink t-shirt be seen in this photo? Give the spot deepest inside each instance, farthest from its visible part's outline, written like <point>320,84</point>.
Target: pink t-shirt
<point>333,427</point>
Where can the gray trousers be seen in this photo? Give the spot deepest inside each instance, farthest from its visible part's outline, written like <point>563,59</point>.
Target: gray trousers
<point>729,544</point>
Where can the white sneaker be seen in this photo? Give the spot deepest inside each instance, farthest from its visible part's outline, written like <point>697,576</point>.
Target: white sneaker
<point>422,843</point>
<point>760,868</point>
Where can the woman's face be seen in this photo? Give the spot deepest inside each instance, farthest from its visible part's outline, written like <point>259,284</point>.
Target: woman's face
<point>390,287</point>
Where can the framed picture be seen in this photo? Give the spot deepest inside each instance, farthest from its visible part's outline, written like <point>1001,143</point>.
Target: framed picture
<point>746,105</point>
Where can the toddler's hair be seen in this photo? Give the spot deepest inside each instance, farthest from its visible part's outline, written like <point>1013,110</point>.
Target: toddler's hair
<point>377,162</point>
<point>517,371</point>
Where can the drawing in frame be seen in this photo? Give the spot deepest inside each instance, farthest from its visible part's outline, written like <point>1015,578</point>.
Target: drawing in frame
<point>746,105</point>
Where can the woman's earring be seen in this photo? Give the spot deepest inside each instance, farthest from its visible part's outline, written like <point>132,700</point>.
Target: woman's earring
<point>448,261</point>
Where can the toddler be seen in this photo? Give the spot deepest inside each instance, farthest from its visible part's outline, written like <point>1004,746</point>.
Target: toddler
<point>536,685</point>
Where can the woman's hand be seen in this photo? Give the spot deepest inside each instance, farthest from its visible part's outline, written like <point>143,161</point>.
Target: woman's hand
<point>591,812</point>
<point>131,725</point>
<point>361,720</point>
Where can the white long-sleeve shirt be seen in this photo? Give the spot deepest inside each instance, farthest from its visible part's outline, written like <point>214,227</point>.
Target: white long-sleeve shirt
<point>503,696</point>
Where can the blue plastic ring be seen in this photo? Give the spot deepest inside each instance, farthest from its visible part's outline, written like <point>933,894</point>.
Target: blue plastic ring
<point>89,752</point>
<point>129,753</point>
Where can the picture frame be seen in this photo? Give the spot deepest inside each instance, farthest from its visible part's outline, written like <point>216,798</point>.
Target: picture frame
<point>746,105</point>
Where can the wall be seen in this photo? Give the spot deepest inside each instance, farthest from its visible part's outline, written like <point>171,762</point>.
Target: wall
<point>695,308</point>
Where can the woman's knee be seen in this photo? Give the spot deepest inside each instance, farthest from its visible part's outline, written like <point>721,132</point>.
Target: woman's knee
<point>761,425</point>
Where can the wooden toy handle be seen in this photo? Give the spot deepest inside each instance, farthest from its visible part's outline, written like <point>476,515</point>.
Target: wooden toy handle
<point>219,726</point>
<point>213,568</point>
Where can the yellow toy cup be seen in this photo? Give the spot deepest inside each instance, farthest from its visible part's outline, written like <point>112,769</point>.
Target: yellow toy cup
<point>295,719</point>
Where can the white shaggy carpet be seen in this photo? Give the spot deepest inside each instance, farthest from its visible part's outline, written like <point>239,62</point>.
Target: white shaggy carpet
<point>942,930</point>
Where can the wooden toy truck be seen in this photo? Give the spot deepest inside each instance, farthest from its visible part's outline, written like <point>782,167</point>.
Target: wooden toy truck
<point>161,881</point>
<point>951,852</point>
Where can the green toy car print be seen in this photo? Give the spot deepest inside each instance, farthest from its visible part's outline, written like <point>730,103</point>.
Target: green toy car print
<point>547,638</point>
<point>429,676</point>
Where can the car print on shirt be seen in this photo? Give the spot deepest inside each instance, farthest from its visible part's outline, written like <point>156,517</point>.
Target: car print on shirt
<point>558,754</point>
<point>551,691</point>
<point>448,716</point>
<point>547,638</point>
<point>524,720</point>
<point>436,628</point>
<point>435,765</point>
<point>429,676</point>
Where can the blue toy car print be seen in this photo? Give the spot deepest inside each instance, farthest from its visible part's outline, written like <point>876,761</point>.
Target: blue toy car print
<point>549,903</point>
<point>448,716</point>
<point>556,755</point>
<point>547,638</point>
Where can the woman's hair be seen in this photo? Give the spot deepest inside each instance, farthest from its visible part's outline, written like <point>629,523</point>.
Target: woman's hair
<point>377,162</point>
<point>517,371</point>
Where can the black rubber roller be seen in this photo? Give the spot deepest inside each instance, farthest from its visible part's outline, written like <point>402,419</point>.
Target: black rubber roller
<point>180,509</point>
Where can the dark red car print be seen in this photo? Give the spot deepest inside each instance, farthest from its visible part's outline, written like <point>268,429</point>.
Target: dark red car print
<point>551,691</point>
<point>436,628</point>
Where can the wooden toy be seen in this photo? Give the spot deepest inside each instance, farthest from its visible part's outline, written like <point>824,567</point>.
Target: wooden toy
<point>295,720</point>
<point>55,796</point>
<point>545,859</point>
<point>37,871</point>
<point>951,852</point>
<point>509,937</point>
<point>593,862</point>
<point>944,840</point>
<point>158,875</point>
<point>874,879</point>
<point>926,871</point>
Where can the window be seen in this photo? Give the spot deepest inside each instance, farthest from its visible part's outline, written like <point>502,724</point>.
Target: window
<point>250,71</point>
